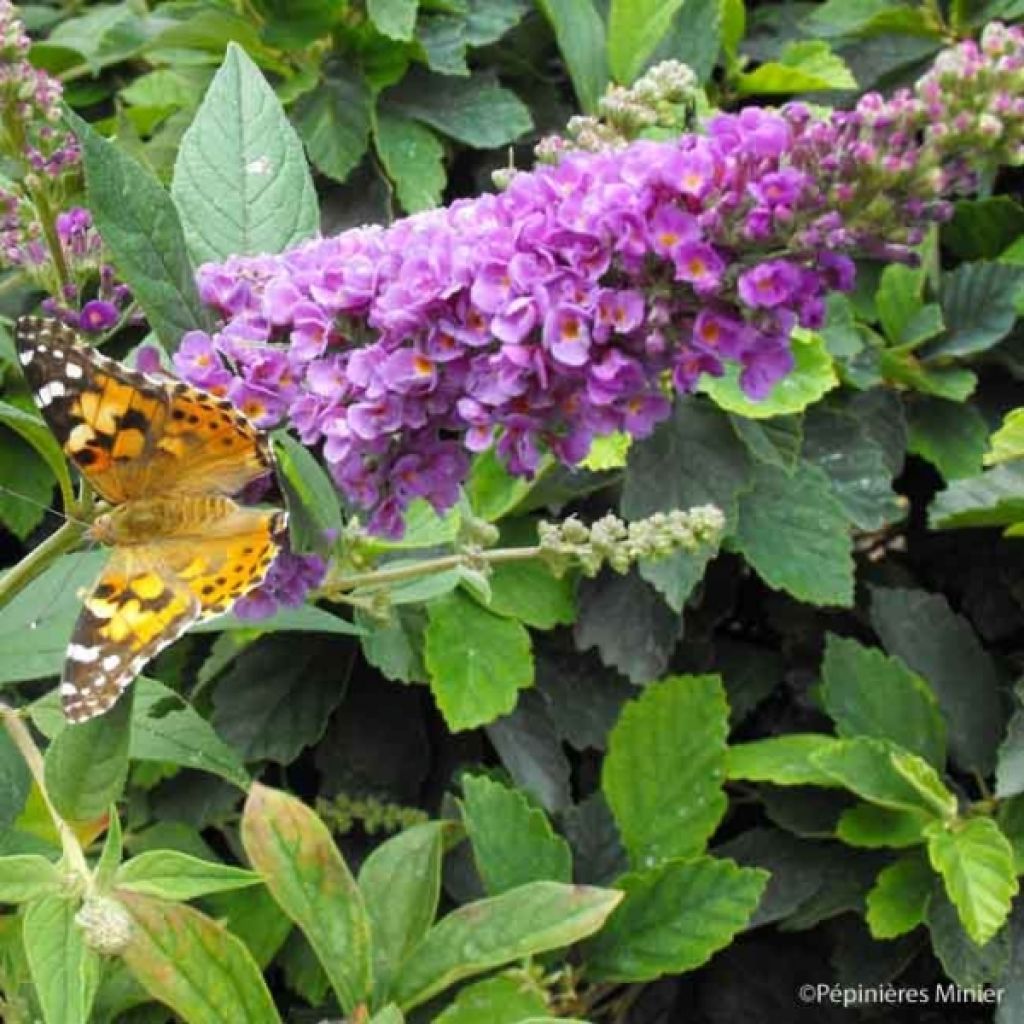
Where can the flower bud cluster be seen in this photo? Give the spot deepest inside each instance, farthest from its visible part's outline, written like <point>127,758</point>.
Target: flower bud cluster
<point>619,545</point>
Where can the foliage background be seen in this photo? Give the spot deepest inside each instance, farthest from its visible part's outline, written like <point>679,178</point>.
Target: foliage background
<point>864,588</point>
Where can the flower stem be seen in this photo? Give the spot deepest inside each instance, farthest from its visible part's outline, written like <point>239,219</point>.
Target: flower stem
<point>38,560</point>
<point>384,577</point>
<point>74,855</point>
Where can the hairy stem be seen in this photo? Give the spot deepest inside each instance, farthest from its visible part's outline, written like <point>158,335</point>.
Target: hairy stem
<point>38,560</point>
<point>74,855</point>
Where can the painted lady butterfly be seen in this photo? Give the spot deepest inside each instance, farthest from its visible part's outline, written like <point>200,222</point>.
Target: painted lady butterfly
<point>166,457</point>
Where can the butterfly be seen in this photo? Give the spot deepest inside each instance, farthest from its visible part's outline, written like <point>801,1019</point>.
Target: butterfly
<point>166,457</point>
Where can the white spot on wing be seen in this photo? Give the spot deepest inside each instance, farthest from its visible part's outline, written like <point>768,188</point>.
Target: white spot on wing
<point>73,370</point>
<point>83,654</point>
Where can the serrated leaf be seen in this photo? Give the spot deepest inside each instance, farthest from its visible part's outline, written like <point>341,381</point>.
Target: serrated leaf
<point>866,767</point>
<point>513,842</point>
<point>194,965</point>
<point>812,376</point>
<point>580,34</point>
<point>783,760</point>
<point>897,902</point>
<point>401,884</point>
<point>28,876</point>
<point>979,308</point>
<point>674,918</point>
<point>868,694</point>
<point>474,110</point>
<point>178,876</point>
<point>274,701</point>
<point>413,157</point>
<point>334,120</point>
<point>477,661</point>
<point>975,860</point>
<point>665,767</point>
<point>479,936</point>
<point>923,631</point>
<point>952,436</point>
<point>86,765</point>
<point>292,850</point>
<point>794,532</point>
<point>240,178</point>
<point>140,226</point>
<point>65,971</point>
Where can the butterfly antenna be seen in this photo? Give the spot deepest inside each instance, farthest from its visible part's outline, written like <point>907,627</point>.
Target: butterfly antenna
<point>43,505</point>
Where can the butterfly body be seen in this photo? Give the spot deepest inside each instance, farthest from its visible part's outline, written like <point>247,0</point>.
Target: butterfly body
<point>167,458</point>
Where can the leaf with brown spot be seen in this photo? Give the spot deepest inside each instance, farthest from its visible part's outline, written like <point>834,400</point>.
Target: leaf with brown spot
<point>292,850</point>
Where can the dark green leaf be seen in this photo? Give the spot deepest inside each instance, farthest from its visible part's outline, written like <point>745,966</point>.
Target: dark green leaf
<point>314,513</point>
<point>14,781</point>
<point>580,35</point>
<point>141,228</point>
<point>32,429</point>
<point>963,960</point>
<point>952,436</point>
<point>993,498</point>
<point>982,228</point>
<point>334,121</point>
<point>978,305</point>
<point>794,532</point>
<point>776,441</point>
<point>923,631</point>
<point>474,110</point>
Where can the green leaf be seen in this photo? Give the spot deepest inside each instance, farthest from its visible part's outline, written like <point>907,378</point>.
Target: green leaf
<point>314,513</point>
<point>401,883</point>
<point>26,486</point>
<point>65,972</point>
<point>978,305</point>
<point>254,917</point>
<point>805,66</point>
<point>394,18</point>
<point>897,902</point>
<point>141,228</point>
<point>898,300</point>
<point>812,376</point>
<point>506,999</point>
<point>86,765</point>
<point>177,876</point>
<point>962,959</point>
<point>474,110</point>
<point>794,532</point>
<point>275,700</point>
<point>839,440</point>
<point>868,768</point>
<point>1010,759</point>
<point>975,860</point>
<point>776,441</point>
<point>25,877</point>
<point>413,158</point>
<point>663,774</point>
<point>694,458</point>
<point>292,850</point>
<point>528,590</point>
<point>635,27</point>
<point>580,34</point>
<point>952,436</point>
<point>873,827</point>
<point>1008,441</point>
<point>15,782</point>
<point>993,498</point>
<point>240,178</point>
<point>869,694</point>
<point>982,228</point>
<point>783,760</point>
<point>477,661</point>
<point>923,631</point>
<point>334,120</point>
<point>32,429</point>
<point>696,35</point>
<point>486,934</point>
<point>674,918</point>
<point>194,965</point>
<point>513,842</point>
